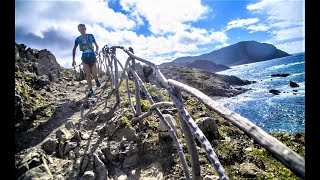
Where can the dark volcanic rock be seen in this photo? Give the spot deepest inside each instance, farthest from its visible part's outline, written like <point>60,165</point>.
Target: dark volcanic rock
<point>279,75</point>
<point>293,84</point>
<point>41,62</point>
<point>207,66</point>
<point>274,91</point>
<point>209,83</point>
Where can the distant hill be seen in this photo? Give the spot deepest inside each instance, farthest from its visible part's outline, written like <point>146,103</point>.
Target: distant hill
<point>207,66</point>
<point>199,64</point>
<point>243,52</point>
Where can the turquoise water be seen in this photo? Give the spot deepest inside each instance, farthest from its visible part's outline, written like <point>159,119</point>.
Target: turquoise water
<point>274,113</point>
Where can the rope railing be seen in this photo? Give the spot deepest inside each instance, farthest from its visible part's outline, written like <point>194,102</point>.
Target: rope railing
<point>190,129</point>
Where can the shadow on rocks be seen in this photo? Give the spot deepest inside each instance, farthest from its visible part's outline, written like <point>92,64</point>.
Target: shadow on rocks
<point>35,135</point>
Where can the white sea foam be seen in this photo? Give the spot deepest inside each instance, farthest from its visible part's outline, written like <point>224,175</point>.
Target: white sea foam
<point>284,65</point>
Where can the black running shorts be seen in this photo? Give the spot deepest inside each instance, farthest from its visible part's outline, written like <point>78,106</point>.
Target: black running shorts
<point>89,60</point>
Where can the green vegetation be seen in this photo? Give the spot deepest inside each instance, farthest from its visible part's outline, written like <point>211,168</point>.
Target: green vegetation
<point>145,105</point>
<point>124,122</point>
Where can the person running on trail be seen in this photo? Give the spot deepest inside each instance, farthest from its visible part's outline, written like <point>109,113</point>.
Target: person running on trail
<point>88,57</point>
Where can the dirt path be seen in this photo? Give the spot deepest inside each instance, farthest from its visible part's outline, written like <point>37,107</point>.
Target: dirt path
<point>69,108</point>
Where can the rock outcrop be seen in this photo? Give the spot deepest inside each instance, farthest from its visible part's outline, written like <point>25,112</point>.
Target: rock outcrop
<point>41,62</point>
<point>209,83</point>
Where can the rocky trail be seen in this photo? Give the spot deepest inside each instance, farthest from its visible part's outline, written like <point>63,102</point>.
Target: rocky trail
<point>94,141</point>
<point>59,136</point>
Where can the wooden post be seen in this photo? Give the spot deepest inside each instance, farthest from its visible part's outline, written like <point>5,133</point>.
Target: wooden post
<point>115,74</point>
<point>106,58</point>
<point>137,89</point>
<point>201,137</point>
<point>110,60</point>
<point>167,125</point>
<point>191,144</point>
<point>128,92</point>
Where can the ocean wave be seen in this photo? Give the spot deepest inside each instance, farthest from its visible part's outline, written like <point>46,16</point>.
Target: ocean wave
<point>284,65</point>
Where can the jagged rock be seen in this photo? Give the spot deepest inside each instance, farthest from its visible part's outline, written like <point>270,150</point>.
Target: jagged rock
<point>32,159</point>
<point>111,151</point>
<point>153,171</point>
<point>208,177</point>
<point>128,147</point>
<point>293,84</point>
<point>209,83</point>
<point>84,135</point>
<point>127,133</point>
<point>17,56</point>
<point>58,177</point>
<point>41,82</point>
<point>71,155</point>
<point>69,125</point>
<point>162,128</point>
<point>84,164</point>
<point>19,109</point>
<point>111,128</point>
<point>68,147</point>
<point>50,146</point>
<point>40,172</point>
<point>280,75</point>
<point>274,91</point>
<point>209,128</point>
<point>88,175</point>
<point>77,135</point>
<point>249,170</point>
<point>130,161</point>
<point>139,70</point>
<point>120,175</point>
<point>41,62</point>
<point>63,133</point>
<point>100,168</point>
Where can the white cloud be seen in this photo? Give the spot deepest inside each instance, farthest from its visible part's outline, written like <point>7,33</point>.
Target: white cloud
<point>287,34</point>
<point>289,12</point>
<point>292,47</point>
<point>222,45</point>
<point>285,18</point>
<point>199,36</point>
<point>166,15</point>
<point>258,27</point>
<point>220,37</point>
<point>241,23</point>
<point>38,17</point>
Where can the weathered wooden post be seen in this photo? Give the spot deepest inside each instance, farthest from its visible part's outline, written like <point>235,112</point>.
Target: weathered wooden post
<point>191,144</point>
<point>137,87</point>
<point>106,60</point>
<point>112,71</point>
<point>113,54</point>
<point>128,90</point>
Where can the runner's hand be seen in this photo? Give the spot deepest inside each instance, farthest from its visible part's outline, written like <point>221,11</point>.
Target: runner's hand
<point>74,63</point>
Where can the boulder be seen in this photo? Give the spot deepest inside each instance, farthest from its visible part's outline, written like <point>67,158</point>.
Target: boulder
<point>209,128</point>
<point>280,75</point>
<point>293,84</point>
<point>274,91</point>
<point>162,128</point>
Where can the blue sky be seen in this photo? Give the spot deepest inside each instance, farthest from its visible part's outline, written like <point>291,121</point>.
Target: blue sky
<point>159,30</point>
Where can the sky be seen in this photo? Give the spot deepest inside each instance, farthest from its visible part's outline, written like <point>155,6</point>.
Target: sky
<point>159,30</point>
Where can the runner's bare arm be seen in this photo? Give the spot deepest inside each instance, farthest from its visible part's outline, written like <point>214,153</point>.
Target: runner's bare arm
<point>97,47</point>
<point>74,54</point>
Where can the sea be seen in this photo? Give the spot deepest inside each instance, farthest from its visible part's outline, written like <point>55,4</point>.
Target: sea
<point>273,113</point>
